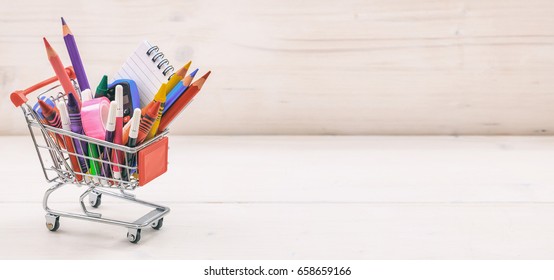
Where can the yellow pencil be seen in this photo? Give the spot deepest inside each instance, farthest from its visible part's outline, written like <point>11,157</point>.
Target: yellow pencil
<point>179,75</point>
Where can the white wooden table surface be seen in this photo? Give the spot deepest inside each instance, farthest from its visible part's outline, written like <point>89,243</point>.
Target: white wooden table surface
<point>307,198</point>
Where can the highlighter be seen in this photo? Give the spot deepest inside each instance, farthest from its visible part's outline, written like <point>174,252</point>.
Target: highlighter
<point>110,131</point>
<point>92,148</point>
<point>133,134</point>
<point>66,125</point>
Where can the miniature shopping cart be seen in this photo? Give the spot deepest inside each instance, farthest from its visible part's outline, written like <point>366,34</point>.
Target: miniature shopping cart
<point>139,165</point>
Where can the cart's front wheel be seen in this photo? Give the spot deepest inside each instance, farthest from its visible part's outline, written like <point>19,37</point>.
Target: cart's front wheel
<point>158,224</point>
<point>133,235</point>
<point>52,222</point>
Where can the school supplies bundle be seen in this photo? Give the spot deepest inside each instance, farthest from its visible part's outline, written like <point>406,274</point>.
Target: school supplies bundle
<point>115,138</point>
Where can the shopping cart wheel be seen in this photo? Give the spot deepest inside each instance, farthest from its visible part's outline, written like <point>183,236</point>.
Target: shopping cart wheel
<point>158,224</point>
<point>95,199</point>
<point>52,222</point>
<point>133,235</point>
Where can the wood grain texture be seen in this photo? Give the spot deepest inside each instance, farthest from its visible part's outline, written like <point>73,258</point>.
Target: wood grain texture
<point>314,67</point>
<point>306,198</point>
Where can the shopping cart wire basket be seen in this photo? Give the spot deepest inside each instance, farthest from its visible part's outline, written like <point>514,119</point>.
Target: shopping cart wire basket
<point>117,168</point>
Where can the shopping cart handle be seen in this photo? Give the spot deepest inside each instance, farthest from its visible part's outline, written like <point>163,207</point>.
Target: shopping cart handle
<point>19,97</point>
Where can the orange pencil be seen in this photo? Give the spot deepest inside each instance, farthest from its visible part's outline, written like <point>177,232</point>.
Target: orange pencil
<point>60,71</point>
<point>182,102</point>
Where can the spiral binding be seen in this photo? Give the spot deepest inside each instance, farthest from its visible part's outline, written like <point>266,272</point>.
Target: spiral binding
<point>163,61</point>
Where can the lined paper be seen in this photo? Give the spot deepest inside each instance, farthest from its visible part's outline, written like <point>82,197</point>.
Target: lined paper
<point>140,68</point>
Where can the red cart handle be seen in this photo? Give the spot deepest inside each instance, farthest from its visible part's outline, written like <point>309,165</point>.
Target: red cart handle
<point>19,97</point>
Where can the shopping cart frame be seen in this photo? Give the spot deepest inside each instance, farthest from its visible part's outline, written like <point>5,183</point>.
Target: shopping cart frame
<point>61,173</point>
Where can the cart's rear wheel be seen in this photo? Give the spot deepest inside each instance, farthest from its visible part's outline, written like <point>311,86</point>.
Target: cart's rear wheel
<point>158,224</point>
<point>133,236</point>
<point>52,222</point>
<point>95,199</point>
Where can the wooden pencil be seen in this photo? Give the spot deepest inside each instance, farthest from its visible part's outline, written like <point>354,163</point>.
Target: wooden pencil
<point>75,57</point>
<point>182,102</point>
<point>57,65</point>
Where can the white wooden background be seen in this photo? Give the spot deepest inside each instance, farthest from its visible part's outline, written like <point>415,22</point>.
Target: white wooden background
<point>313,67</point>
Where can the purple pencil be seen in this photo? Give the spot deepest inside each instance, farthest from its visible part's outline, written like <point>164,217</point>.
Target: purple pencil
<point>77,127</point>
<point>75,57</point>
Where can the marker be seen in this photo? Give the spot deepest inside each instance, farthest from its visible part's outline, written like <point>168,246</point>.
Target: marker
<point>133,134</point>
<point>182,102</point>
<point>118,156</point>
<point>77,127</point>
<point>159,97</point>
<point>66,125</point>
<point>57,65</point>
<point>110,132</point>
<point>102,88</point>
<point>178,90</point>
<point>146,122</point>
<point>92,148</point>
<point>73,51</point>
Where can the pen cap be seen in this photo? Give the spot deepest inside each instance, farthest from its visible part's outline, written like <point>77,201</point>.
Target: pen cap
<point>110,124</point>
<point>86,95</point>
<point>135,123</point>
<point>119,100</point>
<point>64,115</point>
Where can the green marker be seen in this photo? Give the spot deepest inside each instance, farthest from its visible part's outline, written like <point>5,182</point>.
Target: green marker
<point>94,165</point>
<point>102,88</point>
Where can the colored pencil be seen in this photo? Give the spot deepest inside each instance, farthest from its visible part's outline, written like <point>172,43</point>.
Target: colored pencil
<point>74,56</point>
<point>60,71</point>
<point>146,122</point>
<point>182,102</point>
<point>159,97</point>
<point>178,90</point>
<point>66,125</point>
<point>188,79</point>
<point>179,75</point>
<point>77,127</point>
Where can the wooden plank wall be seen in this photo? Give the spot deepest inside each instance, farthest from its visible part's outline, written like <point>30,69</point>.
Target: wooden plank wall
<point>396,67</point>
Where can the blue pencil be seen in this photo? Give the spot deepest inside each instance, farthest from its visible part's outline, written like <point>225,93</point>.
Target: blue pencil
<point>179,89</point>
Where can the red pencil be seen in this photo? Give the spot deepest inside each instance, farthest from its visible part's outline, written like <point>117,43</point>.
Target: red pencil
<point>60,71</point>
<point>182,102</point>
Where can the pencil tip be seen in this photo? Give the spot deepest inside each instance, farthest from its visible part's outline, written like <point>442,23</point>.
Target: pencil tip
<point>63,21</point>
<point>194,73</point>
<point>46,43</point>
<point>206,75</point>
<point>188,64</point>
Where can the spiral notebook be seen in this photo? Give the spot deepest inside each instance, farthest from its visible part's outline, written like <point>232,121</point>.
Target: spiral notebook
<point>149,68</point>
